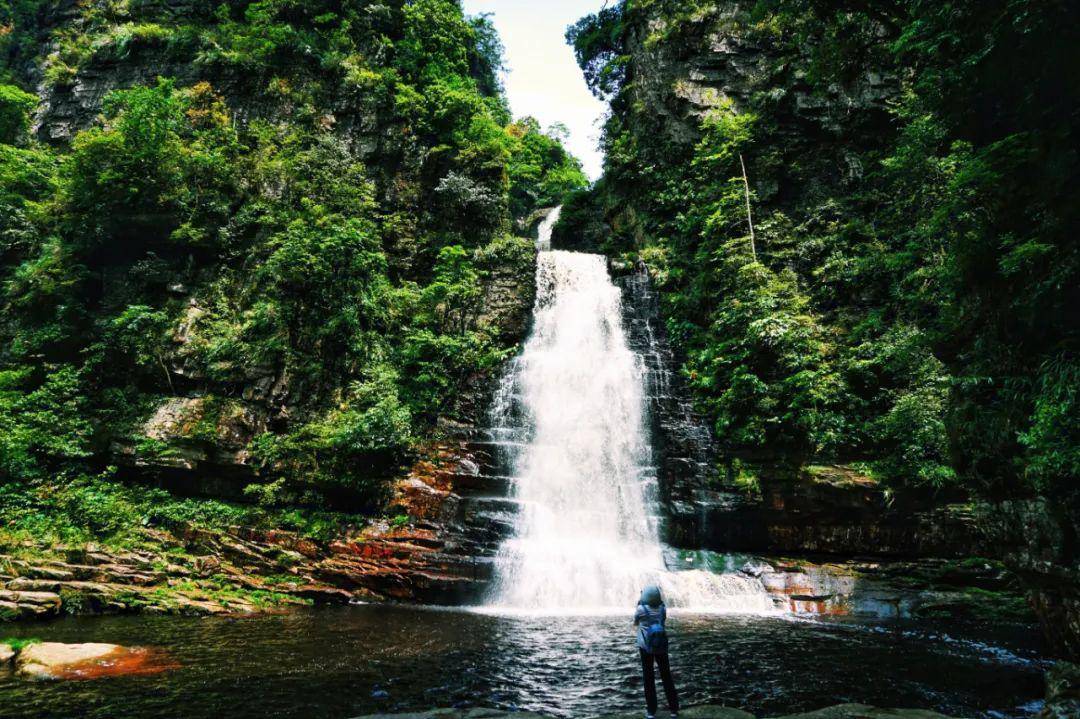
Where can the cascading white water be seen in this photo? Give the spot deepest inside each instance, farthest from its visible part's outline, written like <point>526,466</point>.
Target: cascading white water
<point>586,534</point>
<point>543,238</point>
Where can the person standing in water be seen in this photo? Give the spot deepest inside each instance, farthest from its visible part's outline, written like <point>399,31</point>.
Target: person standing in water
<point>650,618</point>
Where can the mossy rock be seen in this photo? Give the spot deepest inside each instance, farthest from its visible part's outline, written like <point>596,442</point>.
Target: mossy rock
<point>864,711</point>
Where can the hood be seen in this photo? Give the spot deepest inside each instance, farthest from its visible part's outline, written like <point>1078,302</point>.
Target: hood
<point>651,595</point>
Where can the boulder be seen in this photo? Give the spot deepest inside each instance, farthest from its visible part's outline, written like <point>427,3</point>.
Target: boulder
<point>52,660</point>
<point>6,655</point>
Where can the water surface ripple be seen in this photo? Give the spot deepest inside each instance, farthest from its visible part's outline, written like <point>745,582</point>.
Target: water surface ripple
<point>336,663</point>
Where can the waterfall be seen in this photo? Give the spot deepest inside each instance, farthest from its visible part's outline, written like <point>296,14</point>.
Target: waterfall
<point>543,242</point>
<point>572,410</point>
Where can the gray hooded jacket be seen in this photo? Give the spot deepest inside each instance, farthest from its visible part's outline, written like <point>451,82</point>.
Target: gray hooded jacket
<point>650,618</point>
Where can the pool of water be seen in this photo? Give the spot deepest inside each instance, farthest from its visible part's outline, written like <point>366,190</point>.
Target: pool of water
<point>343,662</point>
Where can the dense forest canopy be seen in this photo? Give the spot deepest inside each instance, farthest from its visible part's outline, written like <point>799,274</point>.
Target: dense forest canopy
<point>908,296</point>
<point>289,230</point>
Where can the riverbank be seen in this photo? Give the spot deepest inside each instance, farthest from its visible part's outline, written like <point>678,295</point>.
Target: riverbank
<point>195,571</point>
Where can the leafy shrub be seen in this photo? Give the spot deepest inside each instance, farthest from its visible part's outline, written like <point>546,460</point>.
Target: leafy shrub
<point>15,107</point>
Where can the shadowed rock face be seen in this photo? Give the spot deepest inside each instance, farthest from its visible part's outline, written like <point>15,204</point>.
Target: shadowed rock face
<point>1038,542</point>
<point>683,446</point>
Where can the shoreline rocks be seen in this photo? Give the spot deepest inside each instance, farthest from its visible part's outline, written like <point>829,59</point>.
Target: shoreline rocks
<point>20,604</point>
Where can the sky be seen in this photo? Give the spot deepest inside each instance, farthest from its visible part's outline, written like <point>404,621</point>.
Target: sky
<point>543,79</point>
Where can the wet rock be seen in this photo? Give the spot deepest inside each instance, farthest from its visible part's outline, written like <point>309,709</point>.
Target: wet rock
<point>892,589</point>
<point>715,712</point>
<point>1062,692</point>
<point>863,711</point>
<point>52,572</point>
<point>698,712</point>
<point>6,655</point>
<point>53,660</point>
<point>684,458</point>
<point>47,660</point>
<point>474,713</point>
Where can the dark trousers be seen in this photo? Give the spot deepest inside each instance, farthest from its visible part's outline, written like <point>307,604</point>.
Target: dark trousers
<point>650,681</point>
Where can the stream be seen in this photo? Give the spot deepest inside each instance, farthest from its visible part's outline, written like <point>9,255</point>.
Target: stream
<point>335,663</point>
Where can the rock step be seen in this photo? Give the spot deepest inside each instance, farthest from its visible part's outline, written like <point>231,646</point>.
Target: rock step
<point>489,505</point>
<point>28,604</point>
<point>495,485</point>
<point>492,434</point>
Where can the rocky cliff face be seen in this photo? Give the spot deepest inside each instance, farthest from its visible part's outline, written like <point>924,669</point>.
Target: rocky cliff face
<point>1038,541</point>
<point>72,101</point>
<point>823,510</point>
<point>683,68</point>
<point>683,447</point>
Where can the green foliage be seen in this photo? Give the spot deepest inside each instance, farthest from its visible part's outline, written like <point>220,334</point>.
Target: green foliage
<point>134,163</point>
<point>43,421</point>
<point>597,42</point>
<point>237,250</point>
<point>453,297</point>
<point>581,225</point>
<point>913,311</point>
<point>541,172</point>
<point>99,508</point>
<point>15,107</point>
<point>162,164</point>
<point>27,181</point>
<point>19,643</point>
<point>1052,441</point>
